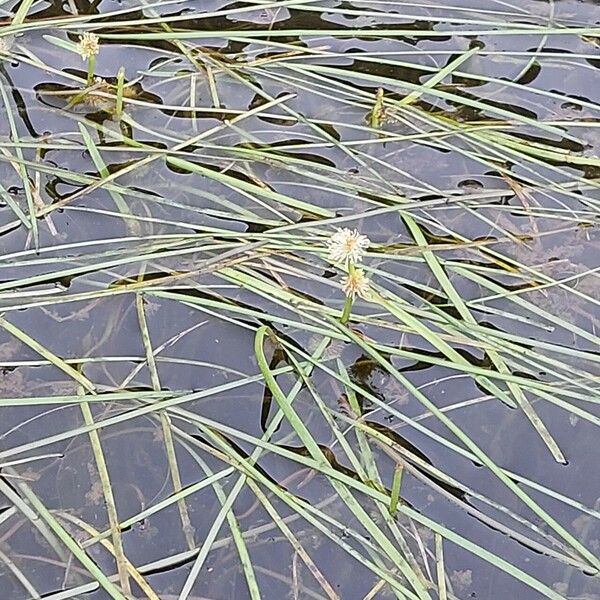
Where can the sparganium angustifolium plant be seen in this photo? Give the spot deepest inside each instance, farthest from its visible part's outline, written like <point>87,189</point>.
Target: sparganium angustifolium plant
<point>348,247</point>
<point>88,47</point>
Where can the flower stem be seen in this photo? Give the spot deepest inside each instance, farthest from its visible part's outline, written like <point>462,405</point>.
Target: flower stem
<point>346,311</point>
<point>349,299</point>
<point>91,67</point>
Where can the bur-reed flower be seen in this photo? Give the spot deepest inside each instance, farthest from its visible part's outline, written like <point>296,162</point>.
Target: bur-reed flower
<point>356,284</point>
<point>347,246</point>
<point>88,45</point>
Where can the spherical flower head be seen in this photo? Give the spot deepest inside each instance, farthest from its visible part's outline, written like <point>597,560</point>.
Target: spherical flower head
<point>347,245</point>
<point>88,45</point>
<point>356,284</point>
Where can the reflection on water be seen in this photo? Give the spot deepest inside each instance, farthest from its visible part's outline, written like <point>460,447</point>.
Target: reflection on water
<point>311,147</point>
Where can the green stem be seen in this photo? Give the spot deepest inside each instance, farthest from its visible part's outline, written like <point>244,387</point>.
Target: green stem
<point>349,299</point>
<point>346,311</point>
<point>91,67</point>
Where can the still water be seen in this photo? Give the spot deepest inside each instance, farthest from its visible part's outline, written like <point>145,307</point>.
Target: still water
<point>69,289</point>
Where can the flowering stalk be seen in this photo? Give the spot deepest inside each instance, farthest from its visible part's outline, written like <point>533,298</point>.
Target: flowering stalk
<point>91,67</point>
<point>347,310</point>
<point>88,47</point>
<point>348,247</point>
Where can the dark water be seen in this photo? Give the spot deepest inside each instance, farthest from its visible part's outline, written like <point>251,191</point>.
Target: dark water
<point>68,305</point>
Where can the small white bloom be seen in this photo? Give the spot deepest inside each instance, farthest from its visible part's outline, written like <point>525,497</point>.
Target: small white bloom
<point>356,284</point>
<point>347,245</point>
<point>88,45</point>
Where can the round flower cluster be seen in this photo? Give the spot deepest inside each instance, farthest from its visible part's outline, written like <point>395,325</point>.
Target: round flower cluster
<point>88,45</point>
<point>356,284</point>
<point>348,246</point>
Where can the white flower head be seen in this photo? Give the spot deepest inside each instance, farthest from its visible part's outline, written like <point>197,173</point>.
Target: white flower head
<point>88,45</point>
<point>347,245</point>
<point>356,284</point>
<point>4,45</point>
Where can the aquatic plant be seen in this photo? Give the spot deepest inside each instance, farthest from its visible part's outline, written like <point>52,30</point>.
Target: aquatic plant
<point>185,376</point>
<point>88,48</point>
<point>348,247</point>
